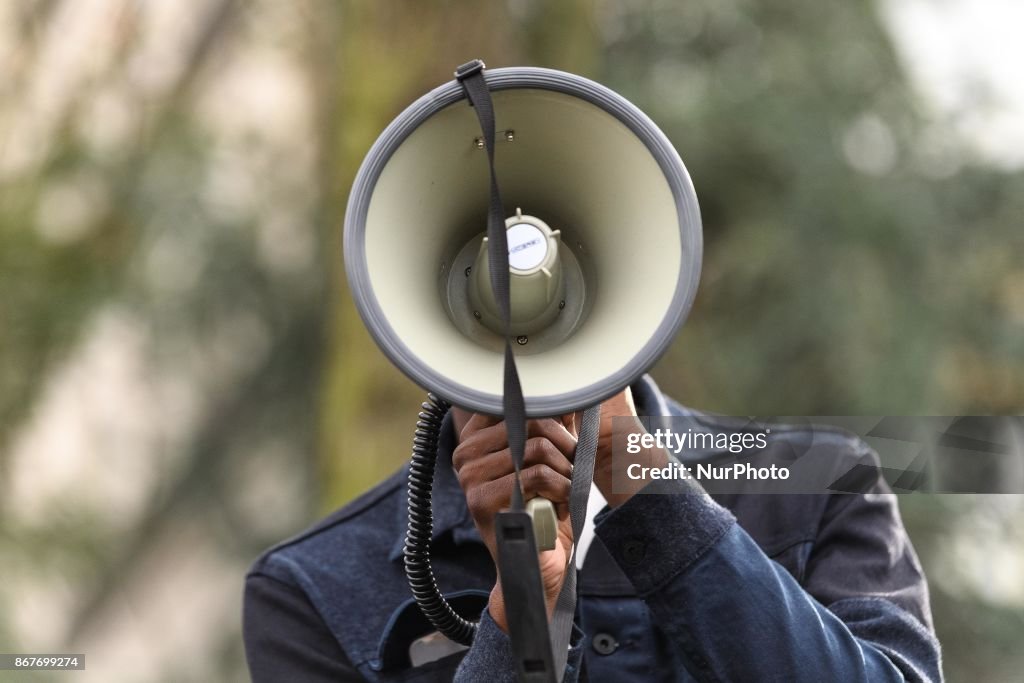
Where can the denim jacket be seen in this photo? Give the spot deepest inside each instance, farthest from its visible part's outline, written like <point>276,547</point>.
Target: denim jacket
<point>753,587</point>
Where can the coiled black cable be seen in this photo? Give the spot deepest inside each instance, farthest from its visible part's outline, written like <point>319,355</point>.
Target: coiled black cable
<point>421,524</point>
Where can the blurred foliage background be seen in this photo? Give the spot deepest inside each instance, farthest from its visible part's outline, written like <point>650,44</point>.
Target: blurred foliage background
<point>184,380</point>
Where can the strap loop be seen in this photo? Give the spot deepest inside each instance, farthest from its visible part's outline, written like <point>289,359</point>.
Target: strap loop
<point>469,69</point>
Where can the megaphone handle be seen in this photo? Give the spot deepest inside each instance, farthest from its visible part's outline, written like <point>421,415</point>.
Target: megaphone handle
<point>545,522</point>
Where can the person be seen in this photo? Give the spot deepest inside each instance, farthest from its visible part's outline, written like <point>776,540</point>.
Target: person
<point>686,587</point>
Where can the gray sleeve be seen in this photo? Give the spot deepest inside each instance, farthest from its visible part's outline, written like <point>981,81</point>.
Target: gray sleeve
<point>490,658</point>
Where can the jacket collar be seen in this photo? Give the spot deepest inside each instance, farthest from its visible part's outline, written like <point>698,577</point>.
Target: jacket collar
<point>451,516</point>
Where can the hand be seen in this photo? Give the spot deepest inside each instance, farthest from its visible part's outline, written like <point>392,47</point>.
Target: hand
<point>483,464</point>
<point>616,487</point>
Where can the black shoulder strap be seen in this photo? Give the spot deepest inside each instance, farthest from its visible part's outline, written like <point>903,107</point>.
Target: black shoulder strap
<point>539,659</point>
<point>517,550</point>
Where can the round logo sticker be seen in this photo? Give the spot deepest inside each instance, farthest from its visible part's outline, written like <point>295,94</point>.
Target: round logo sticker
<point>527,246</point>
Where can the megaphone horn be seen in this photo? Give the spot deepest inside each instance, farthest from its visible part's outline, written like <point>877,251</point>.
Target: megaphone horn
<point>604,241</point>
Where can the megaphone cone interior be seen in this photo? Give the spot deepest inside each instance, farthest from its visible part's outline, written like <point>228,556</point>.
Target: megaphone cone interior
<point>571,156</point>
<point>537,287</point>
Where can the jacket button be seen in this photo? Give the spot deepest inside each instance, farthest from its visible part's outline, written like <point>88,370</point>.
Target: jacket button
<point>633,552</point>
<point>604,644</point>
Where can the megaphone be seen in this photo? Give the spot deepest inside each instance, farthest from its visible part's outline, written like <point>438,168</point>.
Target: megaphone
<point>604,240</point>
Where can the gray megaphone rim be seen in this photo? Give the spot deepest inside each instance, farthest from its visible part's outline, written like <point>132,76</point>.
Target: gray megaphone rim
<point>691,240</point>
